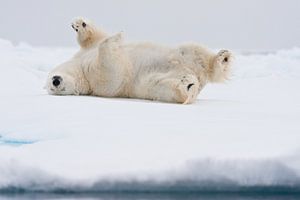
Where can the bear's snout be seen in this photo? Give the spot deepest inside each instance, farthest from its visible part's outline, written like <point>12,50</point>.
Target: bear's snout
<point>56,80</point>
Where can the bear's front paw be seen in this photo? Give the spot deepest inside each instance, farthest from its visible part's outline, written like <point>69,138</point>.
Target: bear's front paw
<point>79,24</point>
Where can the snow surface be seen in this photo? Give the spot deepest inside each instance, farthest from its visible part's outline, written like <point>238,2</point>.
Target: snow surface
<point>239,135</point>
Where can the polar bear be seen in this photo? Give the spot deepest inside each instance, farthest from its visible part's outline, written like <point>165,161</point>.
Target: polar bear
<point>110,68</point>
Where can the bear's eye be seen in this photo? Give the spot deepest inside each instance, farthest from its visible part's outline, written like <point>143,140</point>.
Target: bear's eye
<point>83,24</point>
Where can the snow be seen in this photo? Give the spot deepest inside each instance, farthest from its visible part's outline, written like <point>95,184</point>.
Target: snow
<point>240,135</point>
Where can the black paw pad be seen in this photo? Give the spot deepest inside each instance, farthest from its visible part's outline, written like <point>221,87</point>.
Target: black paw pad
<point>189,86</point>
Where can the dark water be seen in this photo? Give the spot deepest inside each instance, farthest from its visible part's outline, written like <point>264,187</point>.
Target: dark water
<point>145,196</point>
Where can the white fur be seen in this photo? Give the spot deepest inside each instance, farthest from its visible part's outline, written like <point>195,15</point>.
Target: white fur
<point>142,70</point>
<point>74,81</point>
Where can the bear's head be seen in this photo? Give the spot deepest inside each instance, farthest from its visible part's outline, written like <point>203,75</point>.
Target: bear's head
<point>67,79</point>
<point>61,84</point>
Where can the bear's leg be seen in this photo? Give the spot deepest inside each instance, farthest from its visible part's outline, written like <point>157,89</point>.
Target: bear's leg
<point>111,74</point>
<point>180,88</point>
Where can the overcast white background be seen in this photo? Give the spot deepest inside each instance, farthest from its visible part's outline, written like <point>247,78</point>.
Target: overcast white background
<point>235,24</point>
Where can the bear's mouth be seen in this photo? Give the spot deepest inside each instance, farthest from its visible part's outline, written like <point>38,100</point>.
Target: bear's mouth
<point>58,90</point>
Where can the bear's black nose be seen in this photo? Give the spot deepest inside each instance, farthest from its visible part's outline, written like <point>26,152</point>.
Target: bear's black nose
<point>56,80</point>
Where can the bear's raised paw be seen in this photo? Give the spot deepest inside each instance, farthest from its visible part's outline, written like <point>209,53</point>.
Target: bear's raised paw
<point>79,24</point>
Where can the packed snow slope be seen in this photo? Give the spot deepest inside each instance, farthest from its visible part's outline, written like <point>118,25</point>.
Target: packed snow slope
<point>241,135</point>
